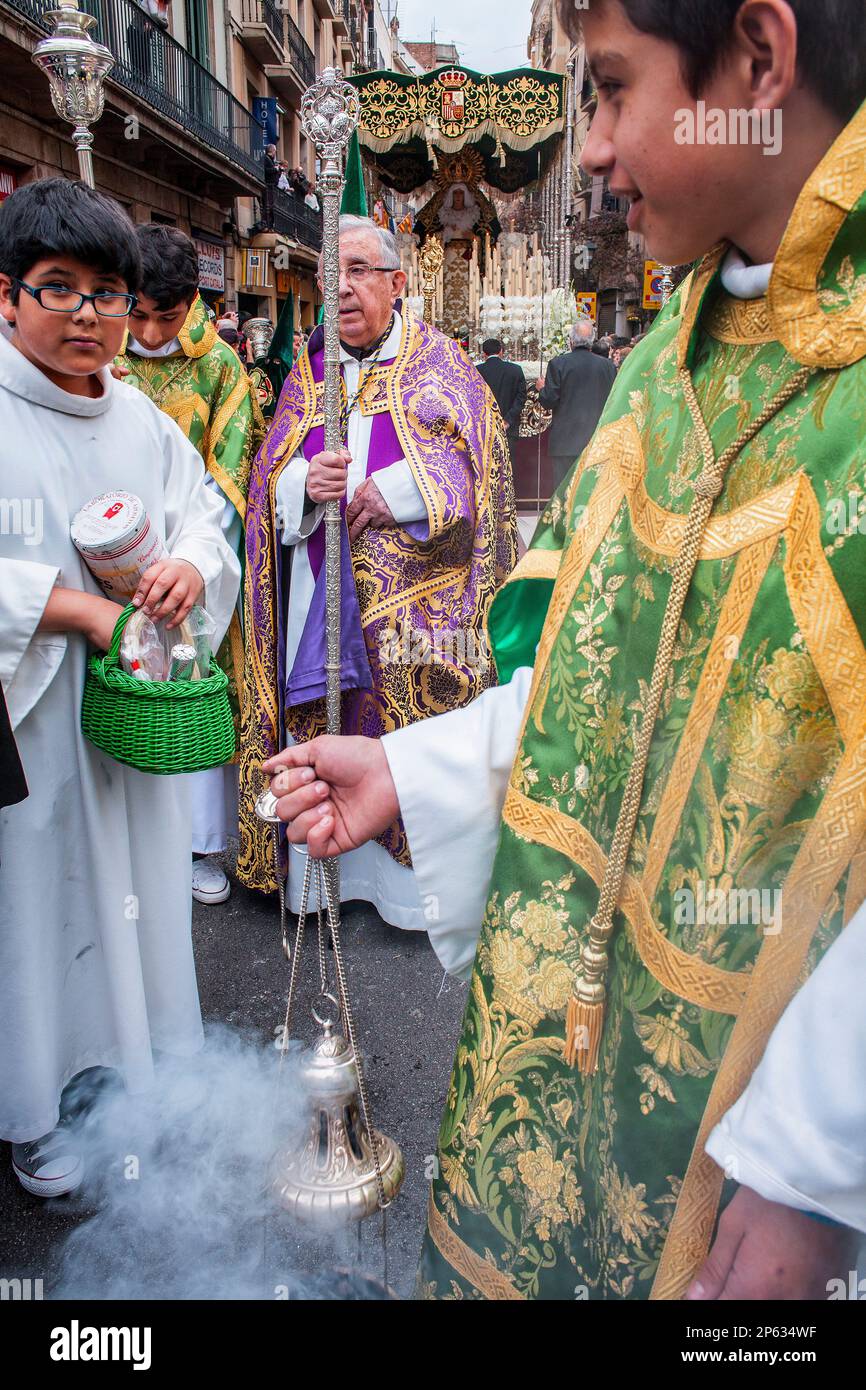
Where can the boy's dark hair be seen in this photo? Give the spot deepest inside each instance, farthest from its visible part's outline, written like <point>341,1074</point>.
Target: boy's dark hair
<point>63,217</point>
<point>169,265</point>
<point>831,54</point>
<point>491,346</point>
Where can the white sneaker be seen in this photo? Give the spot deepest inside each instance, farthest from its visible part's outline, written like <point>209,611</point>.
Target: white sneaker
<point>49,1166</point>
<point>209,883</point>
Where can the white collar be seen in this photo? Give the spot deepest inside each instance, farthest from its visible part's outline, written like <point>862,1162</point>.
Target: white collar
<point>165,351</point>
<point>390,347</point>
<point>745,281</point>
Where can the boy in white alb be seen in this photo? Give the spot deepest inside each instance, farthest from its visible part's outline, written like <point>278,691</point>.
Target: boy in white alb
<point>96,965</point>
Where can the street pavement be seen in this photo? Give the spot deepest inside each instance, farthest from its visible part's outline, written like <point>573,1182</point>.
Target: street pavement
<point>408,1018</point>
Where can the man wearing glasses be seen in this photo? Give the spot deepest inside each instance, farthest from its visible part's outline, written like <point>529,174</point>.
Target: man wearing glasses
<point>423,481</point>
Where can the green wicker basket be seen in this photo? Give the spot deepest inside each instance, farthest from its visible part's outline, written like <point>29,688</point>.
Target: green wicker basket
<point>163,727</point>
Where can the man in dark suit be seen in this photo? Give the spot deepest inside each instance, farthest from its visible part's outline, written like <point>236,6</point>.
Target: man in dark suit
<point>508,384</point>
<point>578,384</point>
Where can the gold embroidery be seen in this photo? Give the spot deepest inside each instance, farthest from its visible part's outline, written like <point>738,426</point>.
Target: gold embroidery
<point>208,337</point>
<point>829,844</point>
<point>662,531</point>
<point>822,614</point>
<point>689,977</point>
<point>811,335</point>
<point>237,396</point>
<point>411,595</point>
<point>855,891</point>
<point>536,564</point>
<point>739,321</point>
<point>736,611</point>
<point>594,526</point>
<point>697,287</point>
<point>478,1272</point>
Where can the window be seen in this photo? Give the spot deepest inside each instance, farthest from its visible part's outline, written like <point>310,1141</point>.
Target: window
<point>197,40</point>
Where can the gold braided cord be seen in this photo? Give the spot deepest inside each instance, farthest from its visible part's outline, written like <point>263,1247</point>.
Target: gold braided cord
<point>589,993</point>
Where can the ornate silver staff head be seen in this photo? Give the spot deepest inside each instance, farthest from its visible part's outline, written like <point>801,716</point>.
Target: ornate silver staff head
<point>76,67</point>
<point>330,111</point>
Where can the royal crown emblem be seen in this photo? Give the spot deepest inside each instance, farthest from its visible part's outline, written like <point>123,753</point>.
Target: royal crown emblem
<point>453,79</point>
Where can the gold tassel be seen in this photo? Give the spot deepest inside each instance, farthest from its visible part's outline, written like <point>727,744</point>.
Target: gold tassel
<point>584,1024</point>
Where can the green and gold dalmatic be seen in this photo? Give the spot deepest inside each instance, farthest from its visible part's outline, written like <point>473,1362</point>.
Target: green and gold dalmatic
<point>206,391</point>
<point>748,852</point>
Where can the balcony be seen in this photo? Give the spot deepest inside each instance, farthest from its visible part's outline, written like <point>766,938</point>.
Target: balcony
<point>332,10</point>
<point>297,71</point>
<point>154,68</point>
<point>292,218</point>
<point>262,30</point>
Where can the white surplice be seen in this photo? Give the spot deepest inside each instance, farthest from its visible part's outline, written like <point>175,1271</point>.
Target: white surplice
<point>96,965</point>
<point>368,874</point>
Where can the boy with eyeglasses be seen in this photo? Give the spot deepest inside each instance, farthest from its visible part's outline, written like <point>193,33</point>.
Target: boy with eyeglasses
<point>96,965</point>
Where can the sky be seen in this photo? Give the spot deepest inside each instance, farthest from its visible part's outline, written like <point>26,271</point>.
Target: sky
<point>490,35</point>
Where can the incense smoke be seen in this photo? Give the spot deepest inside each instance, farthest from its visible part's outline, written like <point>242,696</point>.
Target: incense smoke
<point>177,1181</point>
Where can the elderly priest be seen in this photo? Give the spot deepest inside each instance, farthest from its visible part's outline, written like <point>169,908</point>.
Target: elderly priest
<point>430,534</point>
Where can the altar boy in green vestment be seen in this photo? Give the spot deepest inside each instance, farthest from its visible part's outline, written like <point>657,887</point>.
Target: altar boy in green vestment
<point>176,357</point>
<point>663,805</point>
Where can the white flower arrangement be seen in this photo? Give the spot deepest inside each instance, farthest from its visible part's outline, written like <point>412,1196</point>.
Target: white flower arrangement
<point>560,312</point>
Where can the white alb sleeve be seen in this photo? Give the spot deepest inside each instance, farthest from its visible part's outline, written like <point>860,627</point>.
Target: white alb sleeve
<point>402,494</point>
<point>29,659</point>
<point>291,491</point>
<point>797,1135</point>
<point>451,775</point>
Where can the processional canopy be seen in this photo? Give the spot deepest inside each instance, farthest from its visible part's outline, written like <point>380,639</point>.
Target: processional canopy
<point>512,119</point>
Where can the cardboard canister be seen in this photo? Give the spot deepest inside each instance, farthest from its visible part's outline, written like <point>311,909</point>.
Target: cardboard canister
<point>114,536</point>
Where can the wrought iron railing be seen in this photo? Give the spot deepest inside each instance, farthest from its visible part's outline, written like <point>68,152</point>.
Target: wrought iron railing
<point>153,66</point>
<point>265,12</point>
<point>303,58</point>
<point>294,219</point>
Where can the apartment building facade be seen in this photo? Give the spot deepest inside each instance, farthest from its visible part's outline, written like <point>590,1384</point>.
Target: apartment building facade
<point>197,88</point>
<point>587,238</point>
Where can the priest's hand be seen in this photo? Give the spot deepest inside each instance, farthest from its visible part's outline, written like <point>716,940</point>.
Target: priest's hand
<point>367,508</point>
<point>765,1251</point>
<point>168,590</point>
<point>326,476</point>
<point>334,794</point>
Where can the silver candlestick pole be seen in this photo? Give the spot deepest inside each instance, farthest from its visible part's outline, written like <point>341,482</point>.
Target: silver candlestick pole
<point>329,114</point>
<point>330,111</point>
<point>344,1167</point>
<point>76,68</point>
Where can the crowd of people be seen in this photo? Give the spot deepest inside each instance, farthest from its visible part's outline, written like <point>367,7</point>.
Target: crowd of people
<point>276,174</point>
<point>618,781</point>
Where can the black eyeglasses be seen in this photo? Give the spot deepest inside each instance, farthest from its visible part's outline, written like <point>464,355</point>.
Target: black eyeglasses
<point>59,300</point>
<point>358,273</point>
